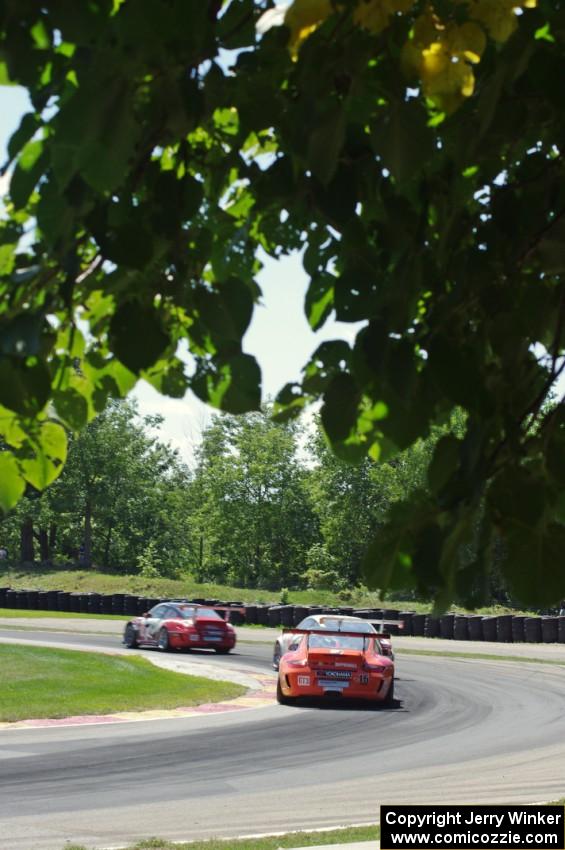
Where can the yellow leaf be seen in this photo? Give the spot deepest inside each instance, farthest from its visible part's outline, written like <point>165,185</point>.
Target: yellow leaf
<point>303,17</point>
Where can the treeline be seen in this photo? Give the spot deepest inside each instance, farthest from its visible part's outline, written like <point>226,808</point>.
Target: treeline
<point>262,505</point>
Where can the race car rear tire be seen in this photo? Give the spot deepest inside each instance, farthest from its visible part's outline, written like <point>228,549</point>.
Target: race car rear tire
<point>389,699</point>
<point>281,698</point>
<point>276,657</point>
<point>163,641</point>
<point>130,637</point>
<point>222,651</point>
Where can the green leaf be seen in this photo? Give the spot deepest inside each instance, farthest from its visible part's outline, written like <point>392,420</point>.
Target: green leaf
<point>530,565</point>
<point>103,172</point>
<point>387,561</point>
<point>518,494</point>
<point>29,168</point>
<point>341,405</point>
<point>22,337</point>
<point>137,335</point>
<point>168,377</point>
<point>10,429</point>
<point>458,372</point>
<point>72,407</point>
<point>4,76</point>
<point>444,462</point>
<point>233,384</point>
<point>226,310</point>
<point>49,457</point>
<point>12,485</point>
<point>319,300</point>
<point>402,138</point>
<point>244,390</point>
<point>236,27</point>
<point>325,144</point>
<point>28,126</point>
<point>7,259</point>
<point>24,388</point>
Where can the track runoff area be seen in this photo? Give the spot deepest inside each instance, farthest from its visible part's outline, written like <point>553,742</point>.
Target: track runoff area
<point>473,827</point>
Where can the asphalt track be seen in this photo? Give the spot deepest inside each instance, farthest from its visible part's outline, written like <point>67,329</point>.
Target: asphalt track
<point>463,730</point>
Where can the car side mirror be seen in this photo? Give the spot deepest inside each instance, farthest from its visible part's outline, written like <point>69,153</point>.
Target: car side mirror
<point>146,614</point>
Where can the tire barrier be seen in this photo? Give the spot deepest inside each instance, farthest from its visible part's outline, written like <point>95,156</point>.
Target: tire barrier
<point>236,618</point>
<point>489,628</point>
<point>130,605</point>
<point>446,624</point>
<point>11,599</point>
<point>33,600</point>
<point>118,603</point>
<point>300,613</point>
<point>504,628</point>
<point>518,630</point>
<point>475,627</point>
<point>406,618</point>
<point>274,616</point>
<point>431,627</point>
<point>460,627</point>
<point>532,629</point>
<point>287,616</point>
<point>64,601</point>
<point>549,629</point>
<point>418,625</point>
<point>21,599</point>
<point>94,603</point>
<point>250,614</point>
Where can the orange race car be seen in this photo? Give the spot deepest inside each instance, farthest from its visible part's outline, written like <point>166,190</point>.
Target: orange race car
<point>334,663</point>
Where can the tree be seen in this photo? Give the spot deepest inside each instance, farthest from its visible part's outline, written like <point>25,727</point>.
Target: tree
<point>412,151</point>
<point>351,502</point>
<point>121,493</point>
<point>250,503</point>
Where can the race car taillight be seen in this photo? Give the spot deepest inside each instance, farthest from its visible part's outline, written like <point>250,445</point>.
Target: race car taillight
<point>302,662</point>
<point>374,668</point>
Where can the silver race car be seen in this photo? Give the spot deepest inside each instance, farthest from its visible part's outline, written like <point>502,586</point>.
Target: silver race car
<point>334,623</point>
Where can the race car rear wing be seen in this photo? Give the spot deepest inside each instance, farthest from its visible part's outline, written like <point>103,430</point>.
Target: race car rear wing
<point>380,624</point>
<point>336,633</point>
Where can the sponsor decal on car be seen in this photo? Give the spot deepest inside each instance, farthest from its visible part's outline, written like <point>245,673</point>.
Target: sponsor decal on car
<point>334,674</point>
<point>304,681</point>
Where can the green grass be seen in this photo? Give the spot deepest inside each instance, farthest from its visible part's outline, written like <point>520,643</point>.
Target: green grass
<point>39,682</point>
<point>85,581</point>
<point>22,613</point>
<point>481,656</point>
<point>292,839</point>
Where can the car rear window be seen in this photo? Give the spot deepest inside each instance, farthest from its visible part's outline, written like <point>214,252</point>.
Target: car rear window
<point>208,612</point>
<point>186,612</point>
<point>321,641</point>
<point>363,628</point>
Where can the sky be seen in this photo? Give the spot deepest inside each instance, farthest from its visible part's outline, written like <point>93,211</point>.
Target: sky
<point>279,335</point>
